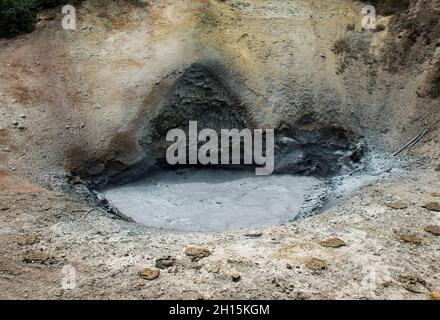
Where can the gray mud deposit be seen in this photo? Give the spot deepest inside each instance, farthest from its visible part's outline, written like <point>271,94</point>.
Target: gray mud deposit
<point>212,200</point>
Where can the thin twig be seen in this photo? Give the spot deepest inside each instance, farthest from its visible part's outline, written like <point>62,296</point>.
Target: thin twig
<point>411,143</point>
<point>85,214</point>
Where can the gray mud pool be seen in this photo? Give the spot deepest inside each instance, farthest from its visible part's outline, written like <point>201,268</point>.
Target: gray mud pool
<point>212,200</point>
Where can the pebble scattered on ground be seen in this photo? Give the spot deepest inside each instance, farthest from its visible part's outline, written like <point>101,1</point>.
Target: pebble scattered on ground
<point>28,240</point>
<point>196,252</point>
<point>38,256</point>
<point>397,206</point>
<point>410,238</point>
<point>236,277</point>
<point>316,264</point>
<point>333,243</point>
<point>435,230</point>
<point>432,206</point>
<point>164,263</point>
<point>149,274</point>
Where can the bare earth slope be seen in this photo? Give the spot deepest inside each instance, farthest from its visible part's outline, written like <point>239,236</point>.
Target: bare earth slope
<point>83,100</point>
<point>387,255</point>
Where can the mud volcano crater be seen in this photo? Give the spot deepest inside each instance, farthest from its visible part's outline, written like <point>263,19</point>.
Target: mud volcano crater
<point>217,197</point>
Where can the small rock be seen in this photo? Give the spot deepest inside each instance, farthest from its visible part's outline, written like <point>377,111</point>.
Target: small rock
<point>432,206</point>
<point>167,262</point>
<point>435,296</point>
<point>397,206</point>
<point>196,252</point>
<point>435,230</point>
<point>316,264</point>
<point>409,238</point>
<point>28,240</point>
<point>436,194</point>
<point>23,116</point>
<point>75,180</point>
<point>333,243</point>
<point>413,284</point>
<point>149,274</point>
<point>323,56</point>
<point>236,277</point>
<point>41,257</point>
<point>437,168</point>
